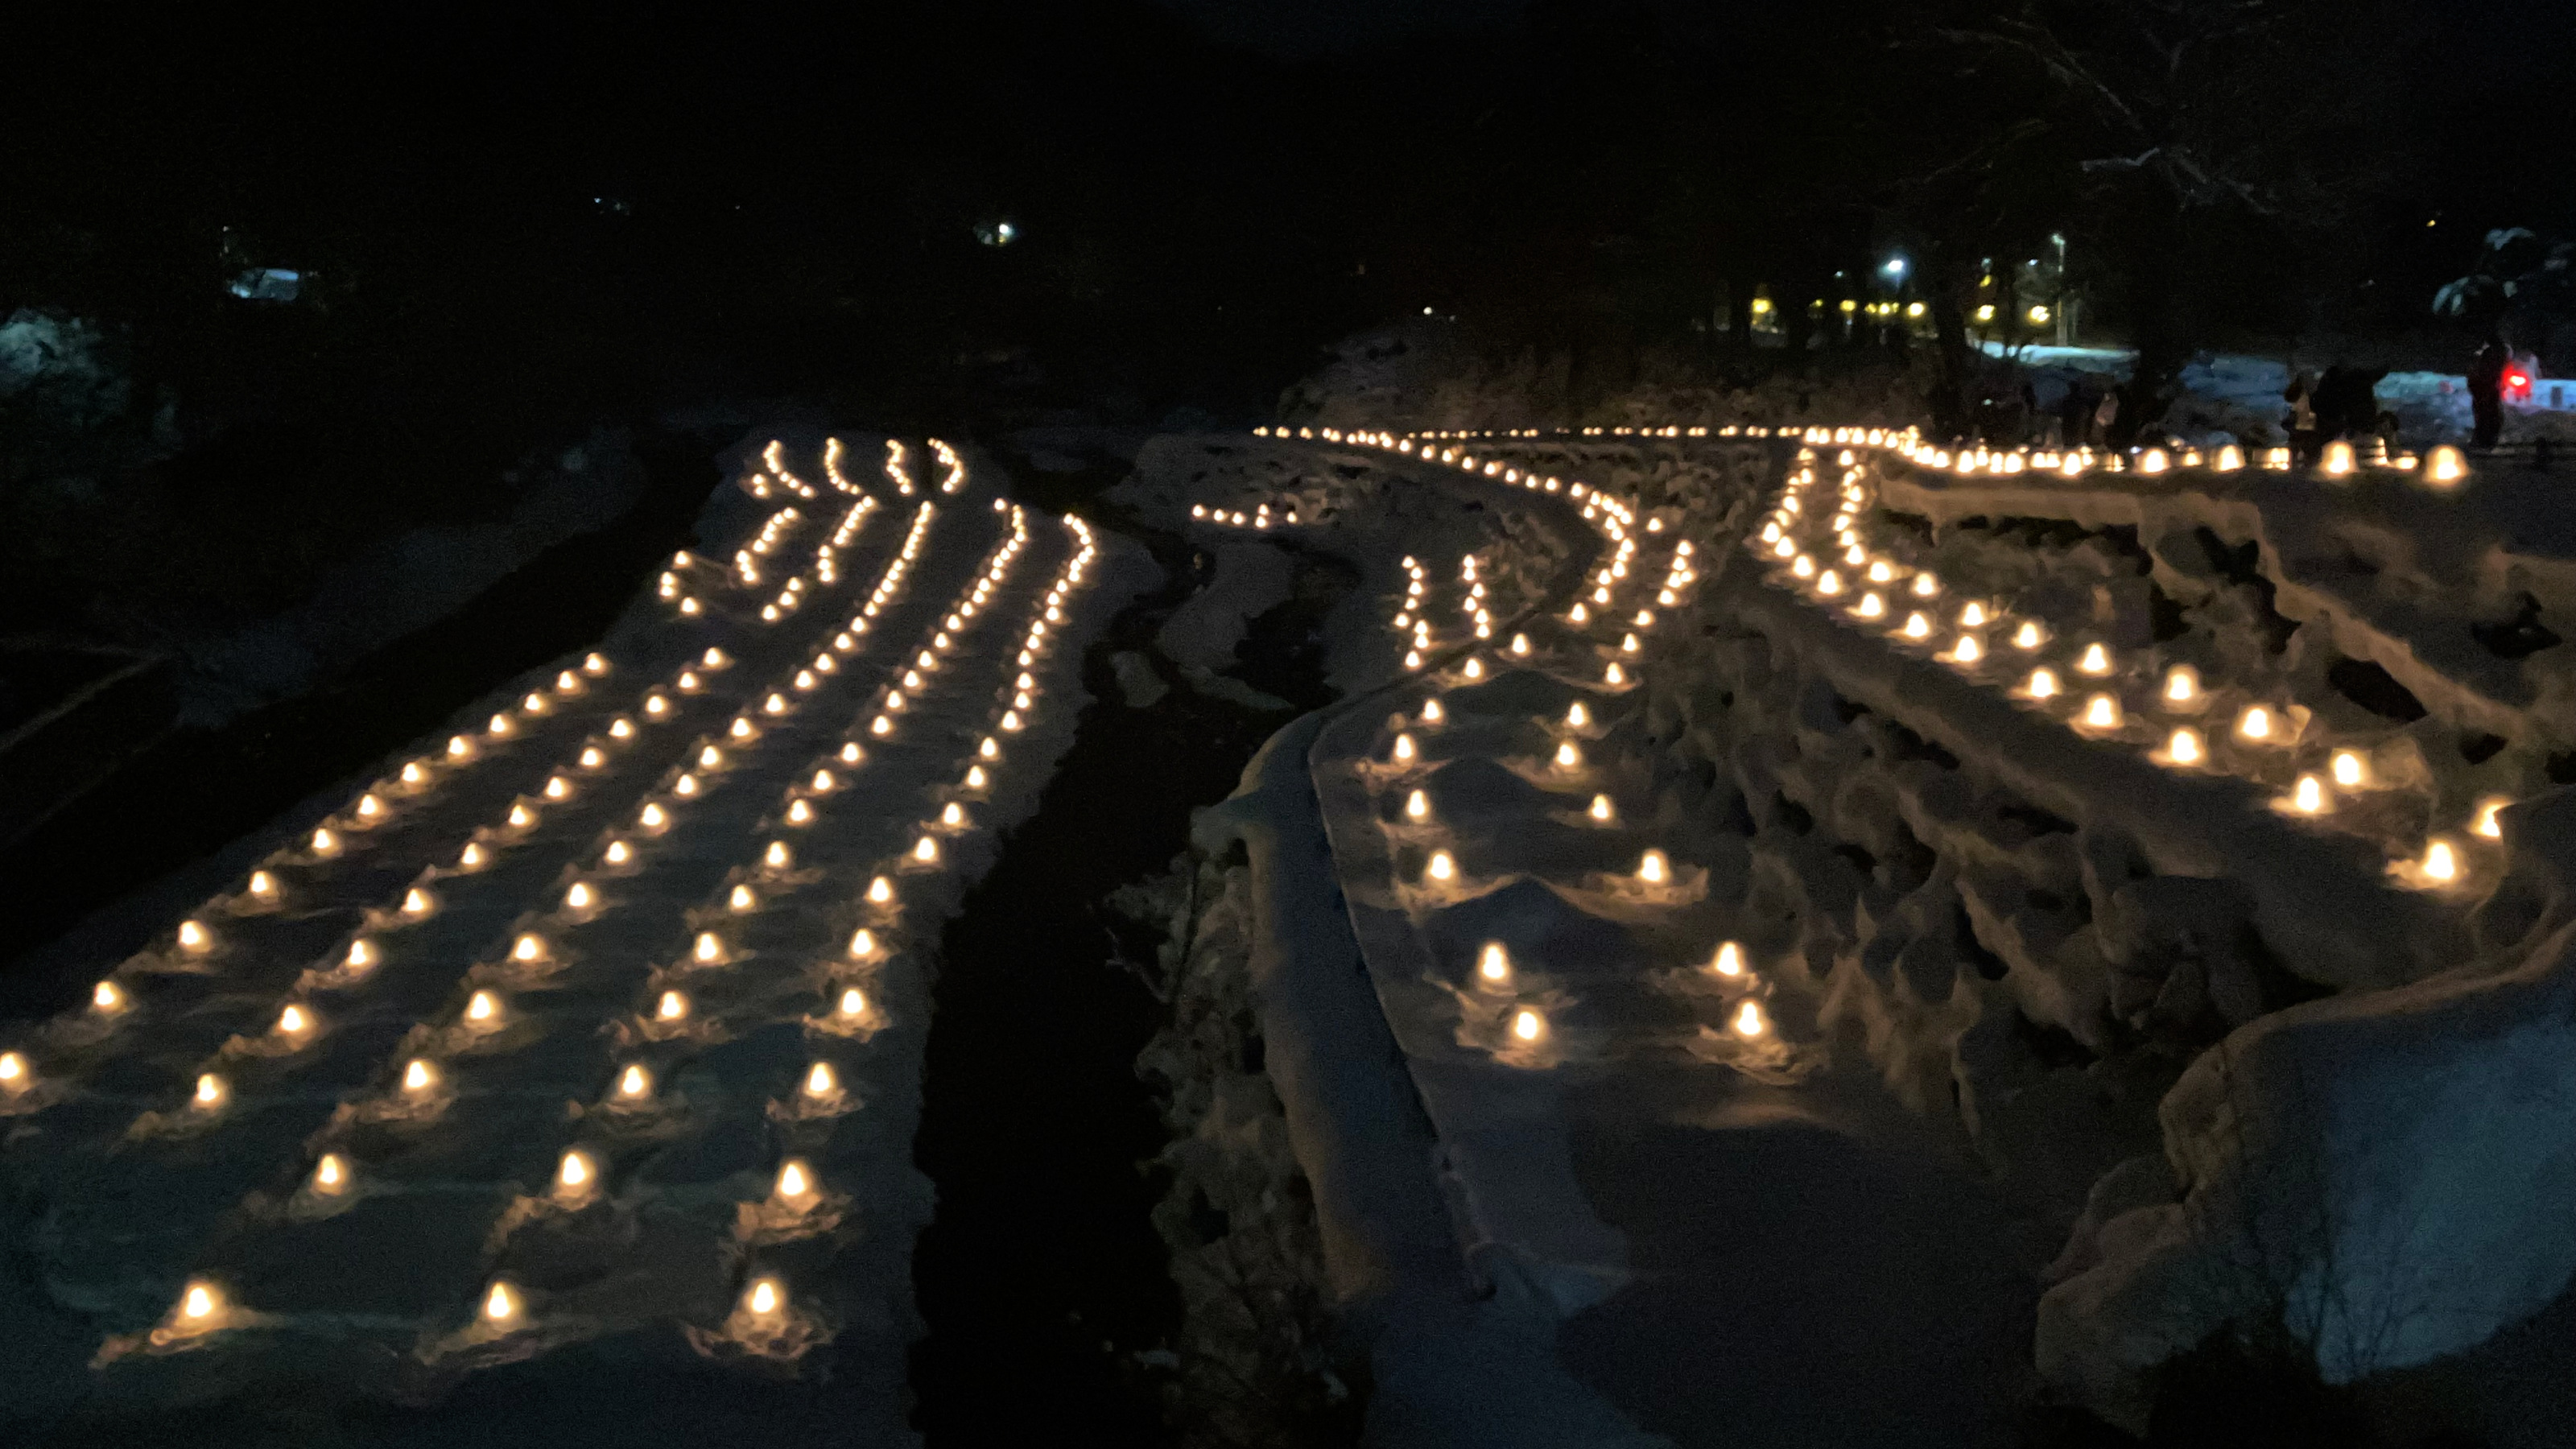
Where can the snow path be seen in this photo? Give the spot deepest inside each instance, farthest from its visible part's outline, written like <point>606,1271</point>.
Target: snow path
<point>596,1026</point>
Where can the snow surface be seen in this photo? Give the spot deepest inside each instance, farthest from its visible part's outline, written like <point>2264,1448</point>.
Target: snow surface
<point>1960,918</point>
<point>633,1298</point>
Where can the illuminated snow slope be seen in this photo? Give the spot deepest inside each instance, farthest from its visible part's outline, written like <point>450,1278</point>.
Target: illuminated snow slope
<point>1771,949</point>
<point>587,1037</point>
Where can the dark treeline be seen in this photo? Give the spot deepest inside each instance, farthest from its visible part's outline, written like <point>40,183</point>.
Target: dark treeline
<point>526,220</point>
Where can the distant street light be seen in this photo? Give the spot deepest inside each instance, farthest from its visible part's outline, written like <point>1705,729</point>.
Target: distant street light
<point>1895,267</point>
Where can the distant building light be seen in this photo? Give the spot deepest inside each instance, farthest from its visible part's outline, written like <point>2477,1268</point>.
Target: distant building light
<point>1895,267</point>
<point>2039,316</point>
<point>1986,313</point>
<point>997,233</point>
<point>1913,309</point>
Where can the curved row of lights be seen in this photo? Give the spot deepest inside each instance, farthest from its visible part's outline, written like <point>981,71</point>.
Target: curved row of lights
<point>1592,618</point>
<point>2263,726</point>
<point>202,1306</point>
<point>296,1021</point>
<point>1870,587</point>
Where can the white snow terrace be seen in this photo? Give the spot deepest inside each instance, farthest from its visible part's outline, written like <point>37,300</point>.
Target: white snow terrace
<point>1633,843</point>
<point>597,1022</point>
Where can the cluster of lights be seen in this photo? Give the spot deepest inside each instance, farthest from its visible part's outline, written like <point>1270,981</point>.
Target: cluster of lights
<point>2053,671</point>
<point>423,1078</point>
<point>1598,609</point>
<point>2443,467</point>
<point>952,476</point>
<point>1259,517</point>
<point>896,469</point>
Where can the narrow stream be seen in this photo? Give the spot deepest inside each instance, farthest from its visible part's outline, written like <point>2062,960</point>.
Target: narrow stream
<point>1042,1279</point>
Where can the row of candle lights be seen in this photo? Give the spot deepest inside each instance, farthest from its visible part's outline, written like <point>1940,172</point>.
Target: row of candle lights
<point>1880,587</point>
<point>1527,1023</point>
<point>201,1306</point>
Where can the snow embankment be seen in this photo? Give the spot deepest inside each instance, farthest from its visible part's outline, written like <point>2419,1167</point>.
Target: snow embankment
<point>2385,1175</point>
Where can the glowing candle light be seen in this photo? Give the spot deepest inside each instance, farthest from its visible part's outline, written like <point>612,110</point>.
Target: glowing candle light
<point>1967,650</point>
<point>1880,573</point>
<point>2441,862</point>
<point>819,1082</point>
<point>1871,606</point>
<point>710,757</point>
<point>200,1302</point>
<point>2445,465</point>
<point>1917,626</point>
<point>499,725</point>
<point>2308,797</point>
<point>1577,716</point>
<point>975,777</point>
<point>1729,960</point>
<point>1403,751</point>
<point>500,1305</point>
<point>2182,684</point>
<point>14,1073</point>
<point>795,1183</point>
<point>1972,616</point>
<point>1828,584</point>
<point>1520,645</point>
<point>1494,964</point>
<point>619,852</point>
<point>579,897</point>
<point>522,817</point>
<point>529,947</point>
<point>1601,810</point>
<point>2255,723</point>
<point>1442,866</point>
<point>293,1020</point>
<point>1567,756</point>
<point>1803,567</point>
<point>1614,675</point>
<point>574,1173</point>
<point>2348,768</point>
<point>863,944</point>
<point>1431,711</point>
<point>2096,660</point>
<point>740,729</point>
<point>880,891</point>
<point>671,1007</point>
<point>471,856</point>
<point>459,747</point>
<point>263,886</point>
<point>592,759</point>
<point>1417,806</point>
<point>1475,669</point>
<point>1652,868</point>
<point>1748,1020</point>
<point>687,784</point>
<point>209,1093</point>
<point>1579,614</point>
<point>1526,1025</point>
<point>634,1082</point>
<point>1926,586</point>
<point>369,807</point>
<point>2102,712</point>
<point>2487,823</point>
<point>2028,636</point>
<point>656,706</point>
<point>331,1174</point>
<point>324,842</point>
<point>362,954</point>
<point>418,1076</point>
<point>2184,747</point>
<point>194,937</point>
<point>2338,459</point>
<point>853,1002</point>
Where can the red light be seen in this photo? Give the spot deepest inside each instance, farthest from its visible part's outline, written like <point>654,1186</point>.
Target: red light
<point>2515,381</point>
